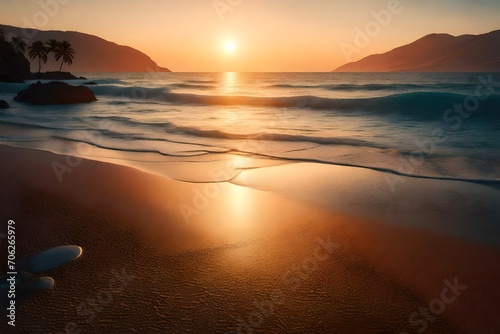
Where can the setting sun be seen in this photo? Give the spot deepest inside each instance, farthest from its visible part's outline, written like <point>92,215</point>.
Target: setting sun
<point>229,47</point>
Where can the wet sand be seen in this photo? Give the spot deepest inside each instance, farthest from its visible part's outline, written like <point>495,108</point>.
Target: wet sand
<point>262,254</point>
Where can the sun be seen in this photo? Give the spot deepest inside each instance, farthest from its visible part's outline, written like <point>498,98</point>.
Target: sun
<point>229,47</point>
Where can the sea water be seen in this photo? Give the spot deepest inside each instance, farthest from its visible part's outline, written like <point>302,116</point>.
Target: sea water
<point>442,125</point>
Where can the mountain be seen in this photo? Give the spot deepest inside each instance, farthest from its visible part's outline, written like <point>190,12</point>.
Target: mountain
<point>92,53</point>
<point>436,53</point>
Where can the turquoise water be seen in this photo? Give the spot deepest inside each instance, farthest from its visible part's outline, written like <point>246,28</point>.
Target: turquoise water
<point>422,124</point>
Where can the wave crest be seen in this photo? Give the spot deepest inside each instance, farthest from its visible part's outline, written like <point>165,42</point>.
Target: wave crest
<point>415,104</point>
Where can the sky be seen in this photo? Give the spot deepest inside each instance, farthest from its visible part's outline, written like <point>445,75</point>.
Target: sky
<point>256,35</point>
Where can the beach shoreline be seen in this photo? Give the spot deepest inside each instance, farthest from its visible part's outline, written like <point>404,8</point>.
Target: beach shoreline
<point>236,249</point>
<point>245,167</point>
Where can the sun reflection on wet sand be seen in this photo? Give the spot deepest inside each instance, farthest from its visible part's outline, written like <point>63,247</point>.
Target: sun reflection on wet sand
<point>241,244</point>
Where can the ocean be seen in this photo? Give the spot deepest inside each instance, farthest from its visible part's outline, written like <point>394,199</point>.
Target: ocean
<point>434,125</point>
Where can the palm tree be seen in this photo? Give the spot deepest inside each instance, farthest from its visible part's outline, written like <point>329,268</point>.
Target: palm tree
<point>65,51</point>
<point>18,43</point>
<point>38,50</point>
<point>52,45</point>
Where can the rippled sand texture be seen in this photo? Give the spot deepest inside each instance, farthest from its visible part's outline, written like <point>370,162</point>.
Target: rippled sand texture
<point>250,260</point>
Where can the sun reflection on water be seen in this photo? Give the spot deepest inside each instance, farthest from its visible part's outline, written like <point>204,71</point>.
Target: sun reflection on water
<point>229,82</point>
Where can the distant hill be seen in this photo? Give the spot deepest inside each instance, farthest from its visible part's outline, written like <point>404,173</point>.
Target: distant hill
<point>436,53</point>
<point>93,54</point>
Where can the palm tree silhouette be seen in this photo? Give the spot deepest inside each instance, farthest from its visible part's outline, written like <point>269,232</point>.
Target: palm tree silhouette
<point>38,50</point>
<point>18,43</point>
<point>65,51</point>
<point>52,45</point>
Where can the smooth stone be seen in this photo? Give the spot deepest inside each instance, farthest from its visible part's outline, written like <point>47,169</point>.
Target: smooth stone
<point>21,277</point>
<point>39,284</point>
<point>26,289</point>
<point>49,259</point>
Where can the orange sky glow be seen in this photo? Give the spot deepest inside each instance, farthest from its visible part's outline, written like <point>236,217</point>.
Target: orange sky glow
<point>256,35</point>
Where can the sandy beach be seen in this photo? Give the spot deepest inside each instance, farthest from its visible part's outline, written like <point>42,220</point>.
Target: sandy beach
<point>245,167</point>
<point>260,254</point>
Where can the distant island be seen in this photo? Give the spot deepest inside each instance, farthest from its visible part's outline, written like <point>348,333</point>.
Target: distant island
<point>436,53</point>
<point>92,53</point>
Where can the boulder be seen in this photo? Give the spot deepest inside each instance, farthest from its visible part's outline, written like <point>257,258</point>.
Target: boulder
<point>90,83</point>
<point>56,76</point>
<point>55,93</point>
<point>14,67</point>
<point>4,104</point>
